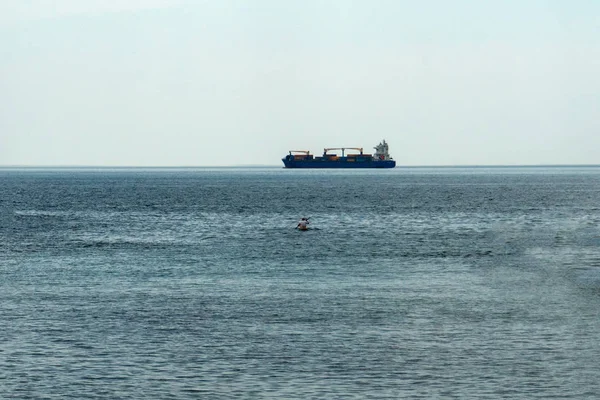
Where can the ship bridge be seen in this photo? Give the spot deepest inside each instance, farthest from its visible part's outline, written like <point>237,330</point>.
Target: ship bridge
<point>382,151</point>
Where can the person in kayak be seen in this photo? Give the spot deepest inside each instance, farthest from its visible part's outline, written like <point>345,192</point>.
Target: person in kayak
<point>303,224</point>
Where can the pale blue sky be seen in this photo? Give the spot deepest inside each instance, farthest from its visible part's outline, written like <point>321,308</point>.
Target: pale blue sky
<point>185,83</point>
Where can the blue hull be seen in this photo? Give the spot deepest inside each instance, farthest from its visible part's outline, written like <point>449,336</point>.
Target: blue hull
<point>342,163</point>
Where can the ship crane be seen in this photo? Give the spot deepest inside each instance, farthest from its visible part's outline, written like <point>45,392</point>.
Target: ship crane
<point>342,149</point>
<point>300,151</point>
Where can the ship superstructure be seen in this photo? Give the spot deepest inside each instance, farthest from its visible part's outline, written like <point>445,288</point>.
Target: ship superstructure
<point>382,151</point>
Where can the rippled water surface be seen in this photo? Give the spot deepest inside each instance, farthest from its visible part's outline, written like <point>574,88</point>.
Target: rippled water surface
<point>193,283</point>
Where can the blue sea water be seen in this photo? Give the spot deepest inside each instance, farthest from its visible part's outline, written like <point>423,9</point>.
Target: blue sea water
<point>193,283</point>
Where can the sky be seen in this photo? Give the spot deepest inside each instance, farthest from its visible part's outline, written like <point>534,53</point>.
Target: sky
<point>241,82</point>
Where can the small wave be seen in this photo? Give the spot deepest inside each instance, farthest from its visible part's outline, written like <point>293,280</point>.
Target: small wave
<point>40,213</point>
<point>589,278</point>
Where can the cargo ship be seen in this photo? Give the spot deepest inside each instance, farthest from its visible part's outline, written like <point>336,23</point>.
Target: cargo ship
<point>303,159</point>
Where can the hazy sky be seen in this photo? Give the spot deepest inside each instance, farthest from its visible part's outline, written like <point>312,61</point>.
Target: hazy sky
<point>186,83</point>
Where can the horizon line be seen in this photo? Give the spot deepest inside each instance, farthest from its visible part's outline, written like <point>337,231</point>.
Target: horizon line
<point>276,166</point>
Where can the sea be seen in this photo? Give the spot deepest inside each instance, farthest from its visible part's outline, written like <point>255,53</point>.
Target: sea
<point>193,283</point>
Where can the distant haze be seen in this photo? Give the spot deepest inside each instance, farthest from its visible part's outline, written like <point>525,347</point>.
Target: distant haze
<point>198,83</point>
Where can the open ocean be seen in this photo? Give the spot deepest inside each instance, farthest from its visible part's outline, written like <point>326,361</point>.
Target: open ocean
<point>192,283</point>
